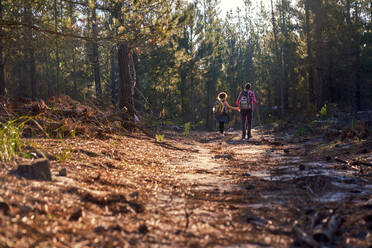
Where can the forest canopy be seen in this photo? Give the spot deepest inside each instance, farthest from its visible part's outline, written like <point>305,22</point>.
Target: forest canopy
<point>169,58</point>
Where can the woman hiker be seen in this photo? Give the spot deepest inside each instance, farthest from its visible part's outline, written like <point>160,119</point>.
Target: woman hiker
<point>245,101</point>
<point>220,111</point>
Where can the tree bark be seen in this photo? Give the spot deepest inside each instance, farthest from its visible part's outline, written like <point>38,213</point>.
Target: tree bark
<point>310,68</point>
<point>318,51</point>
<point>183,92</point>
<point>356,53</point>
<point>125,83</point>
<point>95,55</point>
<point>2,62</point>
<point>350,58</point>
<point>30,51</point>
<point>32,72</point>
<point>285,49</point>
<point>278,66</point>
<point>113,79</point>
<point>57,46</point>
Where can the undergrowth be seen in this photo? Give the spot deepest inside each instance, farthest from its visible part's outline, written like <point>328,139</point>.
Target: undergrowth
<point>10,137</point>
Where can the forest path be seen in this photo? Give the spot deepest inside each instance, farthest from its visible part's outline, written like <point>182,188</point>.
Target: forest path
<point>275,190</point>
<point>252,193</point>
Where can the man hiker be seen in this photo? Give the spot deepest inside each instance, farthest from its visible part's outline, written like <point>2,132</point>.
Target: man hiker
<point>245,103</point>
<point>219,110</point>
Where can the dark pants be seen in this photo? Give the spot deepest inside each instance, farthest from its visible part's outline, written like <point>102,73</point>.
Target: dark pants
<point>221,126</point>
<point>246,122</point>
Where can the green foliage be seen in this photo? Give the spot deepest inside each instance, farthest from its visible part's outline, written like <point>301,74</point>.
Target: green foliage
<point>300,131</point>
<point>304,131</point>
<point>187,52</point>
<point>64,132</point>
<point>64,155</point>
<point>323,111</point>
<point>10,138</point>
<point>187,129</point>
<point>159,138</point>
<point>27,155</point>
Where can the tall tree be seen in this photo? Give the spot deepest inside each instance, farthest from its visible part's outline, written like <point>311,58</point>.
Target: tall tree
<point>29,47</point>
<point>57,52</point>
<point>278,64</point>
<point>310,69</point>
<point>94,46</point>
<point>2,62</point>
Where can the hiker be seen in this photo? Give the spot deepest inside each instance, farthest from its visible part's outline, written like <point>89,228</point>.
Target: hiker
<point>219,110</point>
<point>245,103</point>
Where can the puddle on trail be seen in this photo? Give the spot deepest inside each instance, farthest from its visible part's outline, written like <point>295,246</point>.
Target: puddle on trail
<point>293,169</point>
<point>340,185</point>
<point>318,180</point>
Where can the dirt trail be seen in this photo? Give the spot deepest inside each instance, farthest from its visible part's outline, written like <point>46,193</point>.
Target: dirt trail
<point>257,191</point>
<point>202,172</point>
<point>201,191</point>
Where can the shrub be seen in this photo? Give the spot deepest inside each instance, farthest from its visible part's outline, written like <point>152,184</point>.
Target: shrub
<point>187,128</point>
<point>10,138</point>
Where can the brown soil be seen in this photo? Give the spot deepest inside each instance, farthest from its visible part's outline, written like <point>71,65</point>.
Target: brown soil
<point>200,191</point>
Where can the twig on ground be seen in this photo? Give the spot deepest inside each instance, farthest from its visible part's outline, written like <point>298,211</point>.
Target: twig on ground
<point>353,162</point>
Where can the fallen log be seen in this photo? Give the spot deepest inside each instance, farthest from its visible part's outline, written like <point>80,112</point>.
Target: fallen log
<point>132,124</point>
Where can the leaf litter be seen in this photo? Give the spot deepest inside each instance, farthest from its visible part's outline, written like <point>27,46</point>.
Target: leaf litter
<point>123,190</point>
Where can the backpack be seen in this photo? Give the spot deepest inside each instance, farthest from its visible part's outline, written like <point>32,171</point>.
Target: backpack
<point>245,101</point>
<point>218,110</point>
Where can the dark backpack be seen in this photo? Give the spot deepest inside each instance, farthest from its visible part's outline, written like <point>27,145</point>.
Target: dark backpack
<point>245,101</point>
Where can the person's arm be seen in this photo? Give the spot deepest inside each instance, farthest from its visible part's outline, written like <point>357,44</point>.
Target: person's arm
<point>253,98</point>
<point>238,101</point>
<point>230,107</point>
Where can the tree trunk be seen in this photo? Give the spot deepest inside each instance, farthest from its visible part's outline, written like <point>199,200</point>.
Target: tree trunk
<point>310,69</point>
<point>285,79</point>
<point>331,85</point>
<point>318,51</point>
<point>193,103</point>
<point>208,103</point>
<point>32,72</point>
<point>356,55</point>
<point>113,79</point>
<point>349,55</point>
<point>75,74</point>
<point>2,62</point>
<point>57,46</point>
<point>183,93</point>
<point>278,66</point>
<point>47,71</point>
<point>30,51</point>
<point>95,55</point>
<point>134,74</point>
<point>125,83</point>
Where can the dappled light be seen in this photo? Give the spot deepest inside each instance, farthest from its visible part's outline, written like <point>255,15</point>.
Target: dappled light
<point>168,123</point>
